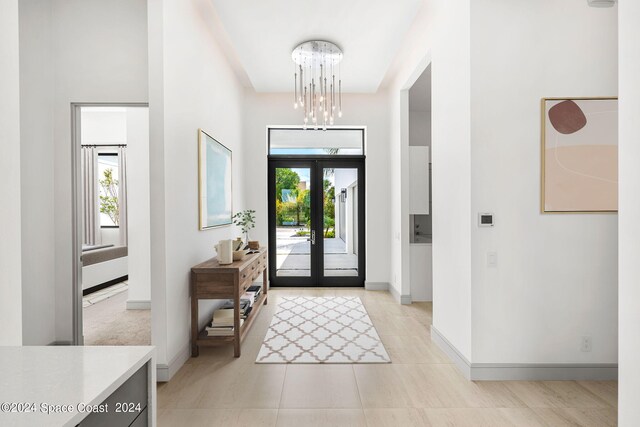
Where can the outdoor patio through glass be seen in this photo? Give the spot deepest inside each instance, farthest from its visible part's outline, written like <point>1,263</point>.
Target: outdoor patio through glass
<point>294,235</point>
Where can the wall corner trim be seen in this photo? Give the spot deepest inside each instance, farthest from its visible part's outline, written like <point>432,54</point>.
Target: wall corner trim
<point>525,371</point>
<point>139,305</point>
<point>164,372</point>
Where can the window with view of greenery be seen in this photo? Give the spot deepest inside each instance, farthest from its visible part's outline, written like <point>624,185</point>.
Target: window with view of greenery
<point>108,190</point>
<point>293,202</point>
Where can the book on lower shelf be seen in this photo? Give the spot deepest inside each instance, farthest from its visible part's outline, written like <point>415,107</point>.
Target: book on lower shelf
<point>221,330</point>
<point>223,316</point>
<point>253,292</point>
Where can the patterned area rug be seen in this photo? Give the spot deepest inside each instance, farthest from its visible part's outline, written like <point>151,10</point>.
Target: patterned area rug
<point>322,330</point>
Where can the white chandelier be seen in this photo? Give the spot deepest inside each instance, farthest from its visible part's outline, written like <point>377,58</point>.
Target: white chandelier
<point>315,90</point>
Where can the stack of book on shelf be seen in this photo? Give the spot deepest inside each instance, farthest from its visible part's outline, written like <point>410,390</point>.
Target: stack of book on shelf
<point>245,308</point>
<point>252,294</point>
<point>222,324</point>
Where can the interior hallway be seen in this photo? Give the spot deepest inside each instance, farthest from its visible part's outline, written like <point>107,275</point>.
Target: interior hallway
<point>419,388</point>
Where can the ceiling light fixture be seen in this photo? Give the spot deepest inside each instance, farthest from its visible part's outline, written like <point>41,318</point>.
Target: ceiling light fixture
<point>315,89</point>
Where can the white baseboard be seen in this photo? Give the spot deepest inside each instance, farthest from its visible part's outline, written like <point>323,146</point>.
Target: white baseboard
<point>544,372</point>
<point>402,299</point>
<point>394,293</point>
<point>405,299</point>
<point>138,305</point>
<point>166,371</point>
<point>456,357</point>
<point>525,371</point>
<point>376,286</point>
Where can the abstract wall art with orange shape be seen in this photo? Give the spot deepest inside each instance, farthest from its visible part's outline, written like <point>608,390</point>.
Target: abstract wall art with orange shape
<point>579,155</point>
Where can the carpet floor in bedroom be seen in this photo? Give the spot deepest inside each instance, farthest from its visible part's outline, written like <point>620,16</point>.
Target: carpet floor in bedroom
<point>108,322</point>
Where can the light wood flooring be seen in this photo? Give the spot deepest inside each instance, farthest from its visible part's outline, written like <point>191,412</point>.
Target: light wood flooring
<point>419,388</point>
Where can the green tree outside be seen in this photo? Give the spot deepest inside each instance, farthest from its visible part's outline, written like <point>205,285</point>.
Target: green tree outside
<point>109,201</point>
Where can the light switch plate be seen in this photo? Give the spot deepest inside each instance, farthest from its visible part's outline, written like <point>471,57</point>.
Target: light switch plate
<point>492,259</point>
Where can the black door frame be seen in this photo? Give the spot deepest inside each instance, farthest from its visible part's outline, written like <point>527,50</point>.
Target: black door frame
<point>316,164</point>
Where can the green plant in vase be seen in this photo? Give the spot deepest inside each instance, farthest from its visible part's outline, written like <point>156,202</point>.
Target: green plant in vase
<point>246,220</point>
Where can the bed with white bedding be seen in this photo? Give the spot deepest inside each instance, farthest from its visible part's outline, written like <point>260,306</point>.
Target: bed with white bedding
<point>103,265</point>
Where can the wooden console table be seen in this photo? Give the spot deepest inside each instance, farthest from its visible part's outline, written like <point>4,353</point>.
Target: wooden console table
<point>210,280</point>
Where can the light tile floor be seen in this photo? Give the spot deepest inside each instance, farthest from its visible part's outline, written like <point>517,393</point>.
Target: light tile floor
<point>420,388</point>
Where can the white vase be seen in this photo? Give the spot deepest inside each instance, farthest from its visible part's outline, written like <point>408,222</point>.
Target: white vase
<point>224,248</point>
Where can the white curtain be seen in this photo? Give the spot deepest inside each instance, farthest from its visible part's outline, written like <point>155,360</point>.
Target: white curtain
<point>90,199</point>
<point>122,195</point>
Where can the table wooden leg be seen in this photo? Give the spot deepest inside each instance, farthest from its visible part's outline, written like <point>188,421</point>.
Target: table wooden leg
<point>264,285</point>
<point>194,319</point>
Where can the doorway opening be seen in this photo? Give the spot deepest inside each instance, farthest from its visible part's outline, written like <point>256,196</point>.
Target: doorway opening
<point>316,194</point>
<point>112,235</point>
<point>420,179</point>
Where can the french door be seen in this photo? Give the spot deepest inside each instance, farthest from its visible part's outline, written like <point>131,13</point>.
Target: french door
<point>316,221</point>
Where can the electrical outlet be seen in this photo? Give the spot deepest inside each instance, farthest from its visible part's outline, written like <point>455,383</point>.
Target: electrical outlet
<point>585,344</point>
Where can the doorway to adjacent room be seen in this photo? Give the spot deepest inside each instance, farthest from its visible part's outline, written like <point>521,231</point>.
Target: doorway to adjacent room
<point>111,292</point>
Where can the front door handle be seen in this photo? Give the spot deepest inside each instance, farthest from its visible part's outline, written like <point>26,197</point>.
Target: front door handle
<point>313,237</point>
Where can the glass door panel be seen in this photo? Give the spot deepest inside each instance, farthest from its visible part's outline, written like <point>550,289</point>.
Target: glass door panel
<point>340,222</point>
<point>293,222</point>
<point>316,222</point>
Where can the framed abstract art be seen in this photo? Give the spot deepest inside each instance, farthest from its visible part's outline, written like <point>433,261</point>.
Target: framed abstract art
<point>579,155</point>
<point>214,182</point>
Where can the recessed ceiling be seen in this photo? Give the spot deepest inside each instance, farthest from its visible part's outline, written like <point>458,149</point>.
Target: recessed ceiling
<point>263,34</point>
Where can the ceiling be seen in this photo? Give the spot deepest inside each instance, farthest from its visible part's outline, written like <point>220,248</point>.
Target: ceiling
<point>420,92</point>
<point>263,34</point>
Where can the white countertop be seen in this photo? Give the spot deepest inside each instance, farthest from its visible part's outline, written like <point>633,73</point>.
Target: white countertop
<point>63,375</point>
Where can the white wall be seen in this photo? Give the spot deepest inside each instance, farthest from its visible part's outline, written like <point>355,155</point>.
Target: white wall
<point>100,51</point>
<point>37,152</point>
<point>418,181</point>
<point>71,51</point>
<point>345,178</point>
<point>138,210</point>
<point>262,110</point>
<point>556,279</point>
<point>191,86</point>
<point>440,34</point>
<point>421,280</point>
<point>10,244</point>
<point>103,126</point>
<point>110,236</point>
<point>419,127</point>
<point>629,205</point>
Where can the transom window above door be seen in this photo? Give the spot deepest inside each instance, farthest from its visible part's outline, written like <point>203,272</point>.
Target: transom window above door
<point>333,141</point>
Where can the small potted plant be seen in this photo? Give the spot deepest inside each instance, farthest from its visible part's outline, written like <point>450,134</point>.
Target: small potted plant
<point>246,220</point>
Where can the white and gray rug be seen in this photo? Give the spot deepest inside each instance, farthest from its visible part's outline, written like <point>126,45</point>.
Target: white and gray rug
<point>322,330</point>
